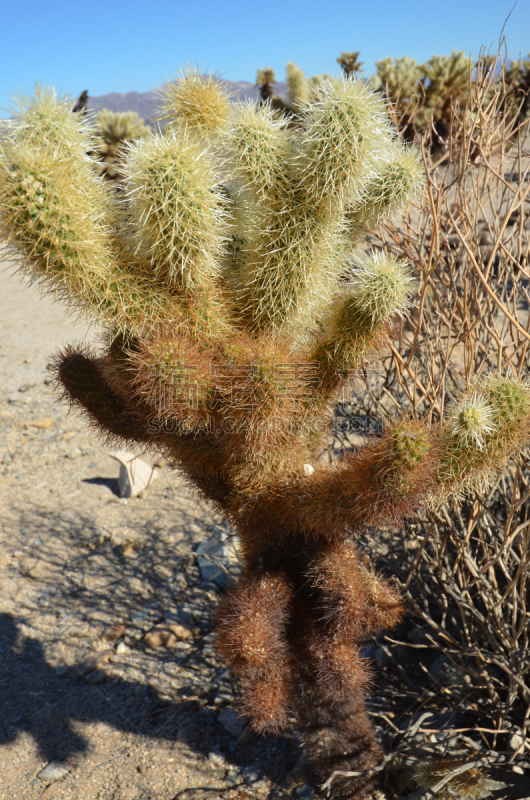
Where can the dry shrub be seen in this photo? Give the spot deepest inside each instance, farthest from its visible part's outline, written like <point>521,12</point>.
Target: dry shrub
<point>464,568</point>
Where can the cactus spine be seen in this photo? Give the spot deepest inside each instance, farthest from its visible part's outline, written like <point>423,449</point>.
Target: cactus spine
<point>218,277</point>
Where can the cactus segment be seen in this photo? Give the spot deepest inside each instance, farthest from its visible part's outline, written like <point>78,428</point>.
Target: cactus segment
<point>252,624</point>
<point>297,87</point>
<point>197,102</point>
<point>380,290</point>
<point>486,429</point>
<point>45,119</point>
<point>175,212</point>
<point>81,383</point>
<point>397,184</point>
<point>472,784</point>
<point>345,140</point>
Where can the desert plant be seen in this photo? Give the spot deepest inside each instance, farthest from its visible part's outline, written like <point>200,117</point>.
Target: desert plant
<point>401,80</point>
<point>464,569</point>
<point>220,278</point>
<point>421,96</point>
<point>297,86</point>
<point>265,80</point>
<point>518,81</point>
<point>350,63</point>
<point>112,129</point>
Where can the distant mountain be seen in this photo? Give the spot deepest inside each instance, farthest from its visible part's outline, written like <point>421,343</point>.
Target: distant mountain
<point>146,103</point>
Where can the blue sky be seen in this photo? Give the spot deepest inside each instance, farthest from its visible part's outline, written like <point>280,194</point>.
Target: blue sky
<point>126,45</point>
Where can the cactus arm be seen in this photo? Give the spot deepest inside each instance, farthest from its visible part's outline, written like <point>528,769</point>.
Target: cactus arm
<point>81,382</point>
<point>297,87</point>
<point>379,290</point>
<point>487,428</point>
<point>175,215</point>
<point>197,102</point>
<point>397,184</point>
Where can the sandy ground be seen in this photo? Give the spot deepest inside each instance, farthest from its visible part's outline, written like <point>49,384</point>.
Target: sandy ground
<point>84,575</point>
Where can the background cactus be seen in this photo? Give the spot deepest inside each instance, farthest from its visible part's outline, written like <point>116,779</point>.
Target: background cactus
<point>420,93</point>
<point>297,86</point>
<point>518,79</point>
<point>112,130</point>
<point>219,275</point>
<point>350,63</point>
<point>265,80</point>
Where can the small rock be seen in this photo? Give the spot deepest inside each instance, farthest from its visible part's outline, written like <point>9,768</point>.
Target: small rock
<point>516,741</point>
<point>167,635</point>
<point>247,736</point>
<point>216,759</point>
<point>252,774</point>
<point>135,475</point>
<point>233,777</point>
<point>189,733</point>
<point>217,561</point>
<point>61,671</point>
<point>44,424</point>
<point>24,388</point>
<point>122,648</point>
<point>308,470</point>
<point>129,549</point>
<point>53,772</point>
<point>232,721</point>
<point>38,570</point>
<point>114,632</point>
<point>98,676</point>
<point>95,662</point>
<point>75,453</point>
<point>305,792</point>
<point>139,616</point>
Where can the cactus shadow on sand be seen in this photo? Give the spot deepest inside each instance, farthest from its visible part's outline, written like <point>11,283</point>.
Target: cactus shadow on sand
<point>38,701</point>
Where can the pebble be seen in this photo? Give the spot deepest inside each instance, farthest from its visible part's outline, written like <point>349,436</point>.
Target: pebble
<point>167,635</point>
<point>216,759</point>
<point>44,424</point>
<point>98,676</point>
<point>95,662</point>
<point>232,721</point>
<point>135,475</point>
<point>75,453</point>
<point>130,549</point>
<point>233,777</point>
<point>122,648</point>
<point>114,632</point>
<point>252,774</point>
<point>305,792</point>
<point>53,772</point>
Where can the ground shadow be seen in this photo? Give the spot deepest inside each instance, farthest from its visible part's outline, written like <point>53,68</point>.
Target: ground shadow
<point>41,701</point>
<point>110,483</point>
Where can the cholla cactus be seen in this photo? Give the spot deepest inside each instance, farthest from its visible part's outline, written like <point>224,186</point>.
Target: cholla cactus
<point>422,94</point>
<point>518,81</point>
<point>112,130</point>
<point>469,785</point>
<point>218,276</point>
<point>265,80</point>
<point>350,63</point>
<point>401,80</point>
<point>449,81</point>
<point>297,87</point>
